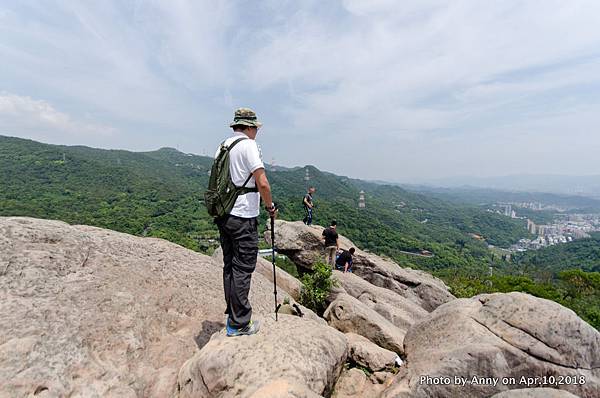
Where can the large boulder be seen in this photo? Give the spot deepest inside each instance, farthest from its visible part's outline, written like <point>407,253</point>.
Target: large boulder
<point>399,310</point>
<point>282,388</point>
<point>91,312</point>
<point>420,287</point>
<point>299,354</point>
<point>303,245</point>
<point>510,338</point>
<point>349,315</point>
<point>351,384</point>
<point>354,383</point>
<point>365,353</point>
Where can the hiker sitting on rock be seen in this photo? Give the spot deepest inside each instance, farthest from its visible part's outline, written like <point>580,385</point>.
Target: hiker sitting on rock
<point>344,260</point>
<point>330,238</point>
<point>308,205</point>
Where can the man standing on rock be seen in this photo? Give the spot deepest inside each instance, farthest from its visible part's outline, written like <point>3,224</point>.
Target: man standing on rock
<point>330,238</point>
<point>239,229</point>
<point>308,205</point>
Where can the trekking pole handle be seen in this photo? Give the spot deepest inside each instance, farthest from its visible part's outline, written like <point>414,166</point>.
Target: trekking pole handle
<point>272,210</point>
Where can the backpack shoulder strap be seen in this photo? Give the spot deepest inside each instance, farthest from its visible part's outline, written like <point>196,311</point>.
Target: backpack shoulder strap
<point>243,190</point>
<point>234,143</point>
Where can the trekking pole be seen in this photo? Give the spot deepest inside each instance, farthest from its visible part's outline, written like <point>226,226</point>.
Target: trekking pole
<point>273,260</point>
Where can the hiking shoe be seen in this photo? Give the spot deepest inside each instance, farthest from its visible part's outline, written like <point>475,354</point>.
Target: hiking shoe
<point>252,328</point>
<point>230,330</point>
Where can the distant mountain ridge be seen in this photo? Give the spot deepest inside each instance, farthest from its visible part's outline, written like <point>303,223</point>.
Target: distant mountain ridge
<point>159,193</point>
<point>476,195</point>
<point>551,183</point>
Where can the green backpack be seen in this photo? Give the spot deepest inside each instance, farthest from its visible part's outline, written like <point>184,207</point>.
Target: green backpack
<point>222,193</point>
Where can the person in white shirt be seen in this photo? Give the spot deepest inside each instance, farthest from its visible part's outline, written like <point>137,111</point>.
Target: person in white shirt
<point>239,230</point>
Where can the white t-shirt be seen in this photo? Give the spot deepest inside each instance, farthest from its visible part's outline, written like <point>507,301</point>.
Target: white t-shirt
<point>244,159</point>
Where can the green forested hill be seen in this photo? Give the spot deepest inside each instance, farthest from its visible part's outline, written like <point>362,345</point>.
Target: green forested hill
<point>583,254</point>
<point>159,194</point>
<point>130,192</point>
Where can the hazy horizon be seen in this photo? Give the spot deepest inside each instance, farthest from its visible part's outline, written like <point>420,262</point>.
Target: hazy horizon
<point>549,183</point>
<point>370,89</point>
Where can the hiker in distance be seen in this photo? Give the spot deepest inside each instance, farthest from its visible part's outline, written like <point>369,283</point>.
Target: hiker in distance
<point>237,183</point>
<point>331,241</point>
<point>344,260</point>
<point>308,205</point>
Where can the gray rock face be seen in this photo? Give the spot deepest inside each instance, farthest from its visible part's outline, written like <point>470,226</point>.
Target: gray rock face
<point>420,287</point>
<point>499,335</point>
<point>352,383</point>
<point>535,393</point>
<point>284,389</point>
<point>349,315</point>
<point>90,312</point>
<point>368,354</point>
<point>299,354</point>
<point>303,245</point>
<point>400,311</point>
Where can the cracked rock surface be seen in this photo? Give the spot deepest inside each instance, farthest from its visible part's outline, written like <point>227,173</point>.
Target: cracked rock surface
<point>400,311</point>
<point>498,335</point>
<point>88,312</point>
<point>300,355</point>
<point>349,315</point>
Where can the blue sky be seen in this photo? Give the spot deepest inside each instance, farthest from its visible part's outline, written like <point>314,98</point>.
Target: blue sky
<point>379,89</point>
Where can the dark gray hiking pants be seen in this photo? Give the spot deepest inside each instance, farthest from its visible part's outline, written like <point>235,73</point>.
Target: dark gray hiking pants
<point>239,241</point>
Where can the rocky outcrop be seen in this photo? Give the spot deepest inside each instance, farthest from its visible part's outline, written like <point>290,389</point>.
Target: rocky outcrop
<point>298,354</point>
<point>303,245</point>
<point>349,315</point>
<point>284,389</point>
<point>400,311</point>
<point>365,353</point>
<point>90,312</point>
<point>420,287</point>
<point>498,336</point>
<point>535,393</point>
<point>354,383</point>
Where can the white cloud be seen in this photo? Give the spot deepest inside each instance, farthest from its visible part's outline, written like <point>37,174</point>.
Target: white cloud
<point>397,85</point>
<point>392,58</point>
<point>40,116</point>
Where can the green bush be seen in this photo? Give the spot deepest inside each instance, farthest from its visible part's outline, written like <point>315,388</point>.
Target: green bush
<point>316,287</point>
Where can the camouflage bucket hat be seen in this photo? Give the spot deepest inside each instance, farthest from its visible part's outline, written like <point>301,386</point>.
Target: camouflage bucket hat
<point>246,117</point>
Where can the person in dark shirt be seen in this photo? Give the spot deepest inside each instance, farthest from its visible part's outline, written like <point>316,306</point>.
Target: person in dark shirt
<point>308,205</point>
<point>330,239</point>
<point>344,260</point>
